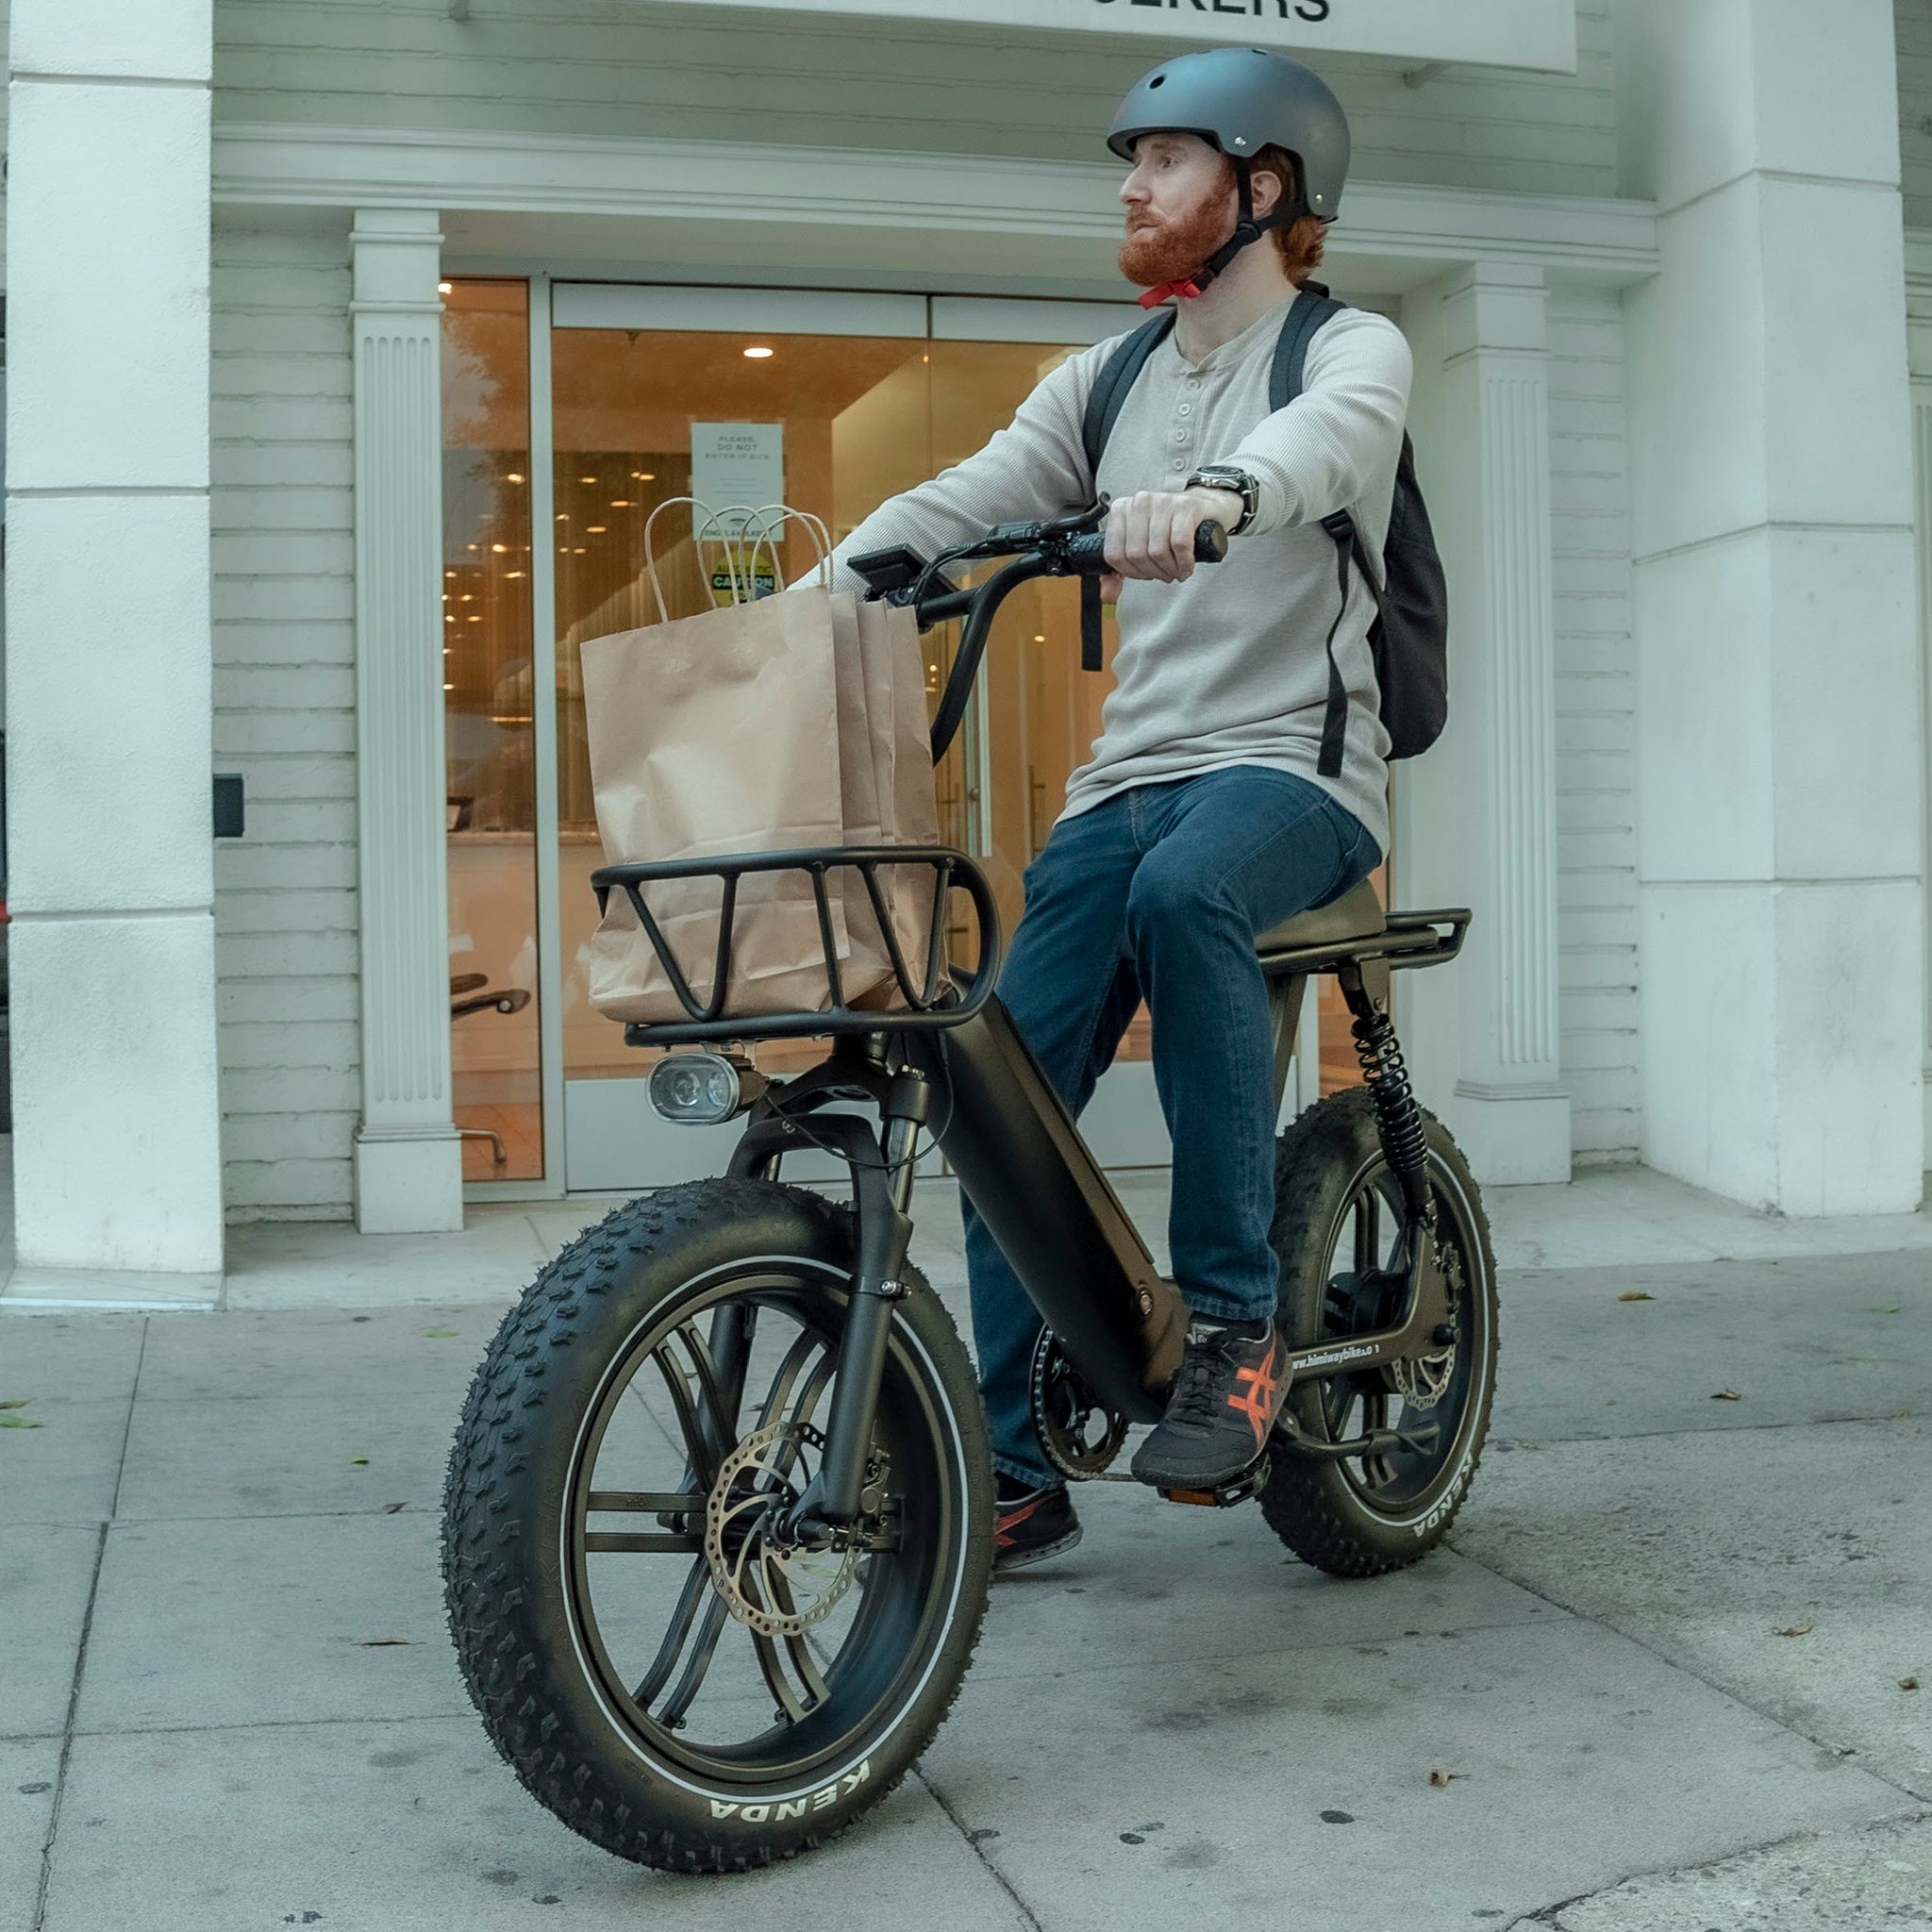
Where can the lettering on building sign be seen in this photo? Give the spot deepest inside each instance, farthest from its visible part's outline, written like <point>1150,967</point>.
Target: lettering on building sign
<point>1539,35</point>
<point>1310,10</point>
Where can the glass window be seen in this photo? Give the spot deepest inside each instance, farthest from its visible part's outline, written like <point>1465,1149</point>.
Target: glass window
<point>490,729</point>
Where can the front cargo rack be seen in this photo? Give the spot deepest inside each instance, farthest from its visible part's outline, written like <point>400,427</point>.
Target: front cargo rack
<point>939,998</point>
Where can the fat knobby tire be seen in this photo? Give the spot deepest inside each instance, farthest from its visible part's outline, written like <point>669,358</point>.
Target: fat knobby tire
<point>501,1515</point>
<point>1312,1505</point>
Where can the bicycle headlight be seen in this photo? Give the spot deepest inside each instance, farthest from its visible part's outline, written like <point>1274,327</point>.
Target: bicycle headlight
<point>703,1089</point>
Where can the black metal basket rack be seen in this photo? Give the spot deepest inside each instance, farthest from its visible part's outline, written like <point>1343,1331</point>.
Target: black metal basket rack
<point>941,997</point>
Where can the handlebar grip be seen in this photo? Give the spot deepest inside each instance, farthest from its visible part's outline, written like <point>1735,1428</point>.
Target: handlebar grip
<point>1087,555</point>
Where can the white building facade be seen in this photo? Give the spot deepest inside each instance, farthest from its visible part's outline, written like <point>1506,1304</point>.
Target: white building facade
<point>323,321</point>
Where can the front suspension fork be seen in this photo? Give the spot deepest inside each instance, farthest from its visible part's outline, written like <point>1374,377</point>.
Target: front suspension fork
<point>881,1172</point>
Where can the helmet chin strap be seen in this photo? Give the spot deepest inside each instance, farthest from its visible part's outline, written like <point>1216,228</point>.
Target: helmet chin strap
<point>1248,227</point>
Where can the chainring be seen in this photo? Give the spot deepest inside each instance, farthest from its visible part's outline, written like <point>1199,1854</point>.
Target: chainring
<point>1080,1434</point>
<point>757,1574</point>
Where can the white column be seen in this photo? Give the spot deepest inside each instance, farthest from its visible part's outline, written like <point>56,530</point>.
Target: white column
<point>1922,465</point>
<point>409,1160</point>
<point>116,1137</point>
<point>1779,835</point>
<point>1477,818</point>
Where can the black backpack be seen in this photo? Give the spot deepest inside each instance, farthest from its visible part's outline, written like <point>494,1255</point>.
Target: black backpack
<point>1410,634</point>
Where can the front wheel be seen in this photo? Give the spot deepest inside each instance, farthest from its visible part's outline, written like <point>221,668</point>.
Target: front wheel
<point>1337,1215</point>
<point>658,1664</point>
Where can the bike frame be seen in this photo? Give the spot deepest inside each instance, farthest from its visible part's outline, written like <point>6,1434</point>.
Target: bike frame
<point>954,1053</point>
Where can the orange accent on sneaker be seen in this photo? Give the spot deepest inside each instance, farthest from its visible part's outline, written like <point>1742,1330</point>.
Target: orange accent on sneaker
<point>1012,1519</point>
<point>1257,1402</point>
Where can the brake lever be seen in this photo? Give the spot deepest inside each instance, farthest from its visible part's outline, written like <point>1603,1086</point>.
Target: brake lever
<point>1005,539</point>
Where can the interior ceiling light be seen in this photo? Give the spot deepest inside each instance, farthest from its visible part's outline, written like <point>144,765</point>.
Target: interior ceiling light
<point>499,548</point>
<point>578,551</point>
<point>563,516</point>
<point>449,573</point>
<point>512,573</point>
<point>620,503</point>
<point>758,352</point>
<point>587,479</point>
<point>595,529</point>
<point>643,476</point>
<point>475,617</point>
<point>443,288</point>
<point>514,476</point>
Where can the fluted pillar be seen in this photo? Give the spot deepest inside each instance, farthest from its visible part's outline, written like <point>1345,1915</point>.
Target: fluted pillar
<point>1477,817</point>
<point>408,1159</point>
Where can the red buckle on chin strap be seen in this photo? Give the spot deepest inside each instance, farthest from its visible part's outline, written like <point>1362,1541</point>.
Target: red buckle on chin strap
<point>1153,298</point>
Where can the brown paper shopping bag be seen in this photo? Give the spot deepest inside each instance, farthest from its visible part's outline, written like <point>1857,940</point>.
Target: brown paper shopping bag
<point>711,735</point>
<point>889,636</point>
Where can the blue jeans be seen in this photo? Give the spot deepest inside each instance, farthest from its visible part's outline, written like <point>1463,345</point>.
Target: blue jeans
<point>1161,891</point>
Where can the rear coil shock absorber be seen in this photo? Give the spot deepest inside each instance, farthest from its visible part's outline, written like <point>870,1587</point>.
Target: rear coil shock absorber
<point>1398,1118</point>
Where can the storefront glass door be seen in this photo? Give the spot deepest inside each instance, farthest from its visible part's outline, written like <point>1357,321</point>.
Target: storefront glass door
<point>857,398</point>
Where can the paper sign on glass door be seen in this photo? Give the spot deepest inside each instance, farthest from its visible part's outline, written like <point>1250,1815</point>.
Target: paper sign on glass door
<point>739,465</point>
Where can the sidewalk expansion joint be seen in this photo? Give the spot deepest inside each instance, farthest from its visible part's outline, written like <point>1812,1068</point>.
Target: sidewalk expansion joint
<point>87,1623</point>
<point>1552,1915</point>
<point>978,1849</point>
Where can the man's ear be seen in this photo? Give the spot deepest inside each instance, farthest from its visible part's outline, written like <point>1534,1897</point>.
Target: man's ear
<point>1264,187</point>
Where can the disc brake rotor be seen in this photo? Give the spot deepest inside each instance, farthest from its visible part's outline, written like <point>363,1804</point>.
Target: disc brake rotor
<point>1422,1380</point>
<point>774,1586</point>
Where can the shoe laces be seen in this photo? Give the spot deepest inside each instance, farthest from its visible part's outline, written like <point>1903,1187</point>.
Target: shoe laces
<point>1205,1366</point>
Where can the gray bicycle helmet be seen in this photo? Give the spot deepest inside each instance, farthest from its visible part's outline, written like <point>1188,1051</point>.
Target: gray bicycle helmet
<point>1244,99</point>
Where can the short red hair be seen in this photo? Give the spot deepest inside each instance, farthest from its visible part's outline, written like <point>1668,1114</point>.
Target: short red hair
<point>1301,243</point>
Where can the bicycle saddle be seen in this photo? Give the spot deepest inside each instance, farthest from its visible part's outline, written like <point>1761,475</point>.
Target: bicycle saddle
<point>1357,915</point>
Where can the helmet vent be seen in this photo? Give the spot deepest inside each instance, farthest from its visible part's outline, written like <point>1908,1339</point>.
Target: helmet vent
<point>1158,81</point>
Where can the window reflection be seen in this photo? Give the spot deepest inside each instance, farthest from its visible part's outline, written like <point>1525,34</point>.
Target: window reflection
<point>490,730</point>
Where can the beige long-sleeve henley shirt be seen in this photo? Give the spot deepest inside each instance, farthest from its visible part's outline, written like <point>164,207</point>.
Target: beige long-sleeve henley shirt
<point>1228,667</point>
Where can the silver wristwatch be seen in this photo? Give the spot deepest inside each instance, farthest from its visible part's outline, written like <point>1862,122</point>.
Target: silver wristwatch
<point>1226,477</point>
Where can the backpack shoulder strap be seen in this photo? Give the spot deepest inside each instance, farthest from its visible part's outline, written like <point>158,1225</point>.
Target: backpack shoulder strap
<point>1110,392</point>
<point>1314,308</point>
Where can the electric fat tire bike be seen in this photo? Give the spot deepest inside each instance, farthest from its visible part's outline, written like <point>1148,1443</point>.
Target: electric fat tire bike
<point>719,1517</point>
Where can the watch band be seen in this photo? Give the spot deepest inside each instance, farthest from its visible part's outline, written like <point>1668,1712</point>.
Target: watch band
<point>1226,477</point>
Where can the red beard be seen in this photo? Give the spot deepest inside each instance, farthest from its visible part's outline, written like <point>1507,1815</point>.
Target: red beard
<point>1153,255</point>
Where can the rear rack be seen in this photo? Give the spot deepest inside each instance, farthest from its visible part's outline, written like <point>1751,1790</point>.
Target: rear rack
<point>939,999</point>
<point>1407,938</point>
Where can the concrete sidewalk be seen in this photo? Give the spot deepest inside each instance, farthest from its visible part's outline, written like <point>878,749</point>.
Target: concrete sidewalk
<point>227,1699</point>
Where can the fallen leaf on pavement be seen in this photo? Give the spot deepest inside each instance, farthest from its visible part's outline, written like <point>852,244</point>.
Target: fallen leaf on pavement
<point>391,1508</point>
<point>385,1642</point>
<point>1440,1779</point>
<point>1636,1294</point>
<point>16,1401</point>
<point>1885,1311</point>
<point>1798,1630</point>
<point>1908,1683</point>
<point>1726,1395</point>
<point>17,1422</point>
<point>363,1460</point>
<point>439,1334</point>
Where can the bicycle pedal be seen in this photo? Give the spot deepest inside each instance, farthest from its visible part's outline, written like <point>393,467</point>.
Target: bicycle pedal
<point>1250,1483</point>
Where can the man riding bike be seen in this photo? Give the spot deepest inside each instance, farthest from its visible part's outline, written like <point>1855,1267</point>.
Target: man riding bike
<point>1206,812</point>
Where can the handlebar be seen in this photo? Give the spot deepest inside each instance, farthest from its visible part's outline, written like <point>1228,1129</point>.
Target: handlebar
<point>1066,546</point>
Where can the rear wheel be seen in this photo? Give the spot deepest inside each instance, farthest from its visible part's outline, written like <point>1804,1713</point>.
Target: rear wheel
<point>1338,1213</point>
<point>660,1666</point>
